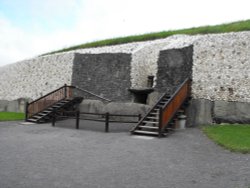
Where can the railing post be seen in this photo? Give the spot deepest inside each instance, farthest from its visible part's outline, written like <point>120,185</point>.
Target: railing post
<point>65,90</point>
<point>77,119</point>
<point>160,122</point>
<point>26,111</point>
<point>107,122</point>
<point>53,118</point>
<point>139,117</point>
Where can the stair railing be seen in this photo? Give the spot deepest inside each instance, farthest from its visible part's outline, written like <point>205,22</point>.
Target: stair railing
<point>47,100</point>
<point>91,93</point>
<point>64,92</point>
<point>168,111</point>
<point>144,118</point>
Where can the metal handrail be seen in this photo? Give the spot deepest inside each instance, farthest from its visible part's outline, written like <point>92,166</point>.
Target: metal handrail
<point>86,91</point>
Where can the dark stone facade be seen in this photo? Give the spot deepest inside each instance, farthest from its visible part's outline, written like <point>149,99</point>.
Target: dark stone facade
<point>174,66</point>
<point>106,74</point>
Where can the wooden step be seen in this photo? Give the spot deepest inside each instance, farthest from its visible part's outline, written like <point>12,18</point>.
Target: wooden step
<point>146,132</point>
<point>56,106</point>
<point>151,122</point>
<point>44,112</point>
<point>152,113</point>
<point>47,111</point>
<point>152,117</point>
<point>33,120</point>
<point>62,102</point>
<point>148,127</point>
<point>37,117</point>
<point>160,105</point>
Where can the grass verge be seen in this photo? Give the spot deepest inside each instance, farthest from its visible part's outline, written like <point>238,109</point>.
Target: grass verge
<point>11,116</point>
<point>235,137</point>
<point>222,28</point>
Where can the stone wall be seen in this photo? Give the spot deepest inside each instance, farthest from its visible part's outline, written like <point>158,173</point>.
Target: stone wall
<point>35,77</point>
<point>144,63</point>
<point>174,66</point>
<point>107,75</point>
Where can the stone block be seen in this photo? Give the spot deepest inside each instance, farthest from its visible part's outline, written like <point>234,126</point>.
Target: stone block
<point>92,106</point>
<point>3,105</point>
<point>153,98</point>
<point>13,106</point>
<point>199,112</point>
<point>126,109</point>
<point>231,112</point>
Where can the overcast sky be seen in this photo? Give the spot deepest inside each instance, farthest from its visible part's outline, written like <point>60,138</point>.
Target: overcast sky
<point>32,27</point>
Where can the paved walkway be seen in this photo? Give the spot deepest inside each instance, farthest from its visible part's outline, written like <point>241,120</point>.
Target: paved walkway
<point>39,156</point>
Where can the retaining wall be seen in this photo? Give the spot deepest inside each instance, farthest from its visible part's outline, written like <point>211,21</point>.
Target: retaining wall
<point>219,65</point>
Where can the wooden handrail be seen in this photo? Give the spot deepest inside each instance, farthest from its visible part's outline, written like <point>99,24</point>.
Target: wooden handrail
<point>47,100</point>
<point>53,97</point>
<point>175,102</point>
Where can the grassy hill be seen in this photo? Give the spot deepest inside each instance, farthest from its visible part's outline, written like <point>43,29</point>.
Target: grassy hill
<point>223,28</point>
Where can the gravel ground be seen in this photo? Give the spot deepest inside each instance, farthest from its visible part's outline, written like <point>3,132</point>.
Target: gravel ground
<point>39,156</point>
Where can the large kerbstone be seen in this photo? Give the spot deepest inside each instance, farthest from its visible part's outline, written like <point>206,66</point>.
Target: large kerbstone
<point>153,98</point>
<point>13,106</point>
<point>199,112</point>
<point>231,112</point>
<point>126,109</point>
<point>3,105</point>
<point>92,106</point>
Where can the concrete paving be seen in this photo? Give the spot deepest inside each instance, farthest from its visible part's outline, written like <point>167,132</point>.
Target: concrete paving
<point>39,156</point>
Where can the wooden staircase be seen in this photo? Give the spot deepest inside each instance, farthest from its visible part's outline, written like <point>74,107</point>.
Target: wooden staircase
<point>162,115</point>
<point>47,114</point>
<point>41,110</point>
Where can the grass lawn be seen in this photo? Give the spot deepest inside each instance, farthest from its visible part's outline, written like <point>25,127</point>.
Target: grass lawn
<point>233,137</point>
<point>11,116</point>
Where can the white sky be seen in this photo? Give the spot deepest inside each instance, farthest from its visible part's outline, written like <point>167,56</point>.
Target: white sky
<point>32,27</point>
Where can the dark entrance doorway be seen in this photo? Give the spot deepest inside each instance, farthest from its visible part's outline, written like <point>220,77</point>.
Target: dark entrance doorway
<point>141,95</point>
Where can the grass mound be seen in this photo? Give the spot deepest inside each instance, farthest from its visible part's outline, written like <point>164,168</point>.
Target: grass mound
<point>223,28</point>
<point>233,137</point>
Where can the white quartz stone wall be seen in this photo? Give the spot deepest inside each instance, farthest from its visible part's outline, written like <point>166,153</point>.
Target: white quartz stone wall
<point>35,77</point>
<point>221,67</point>
<point>144,63</point>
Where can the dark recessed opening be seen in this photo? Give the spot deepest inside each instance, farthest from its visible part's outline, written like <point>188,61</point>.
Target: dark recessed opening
<point>140,98</point>
<point>141,95</point>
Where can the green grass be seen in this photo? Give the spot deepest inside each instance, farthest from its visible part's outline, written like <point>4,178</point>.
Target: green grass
<point>11,116</point>
<point>233,137</point>
<point>223,28</point>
